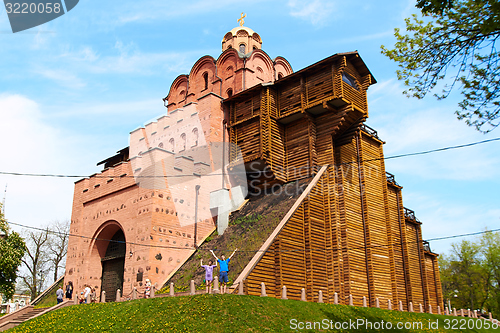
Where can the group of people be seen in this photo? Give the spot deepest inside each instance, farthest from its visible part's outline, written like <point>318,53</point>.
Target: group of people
<point>69,292</point>
<point>209,269</point>
<point>83,295</point>
<point>223,271</point>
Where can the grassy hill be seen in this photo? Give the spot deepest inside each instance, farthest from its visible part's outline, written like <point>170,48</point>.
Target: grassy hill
<point>222,313</point>
<point>248,229</point>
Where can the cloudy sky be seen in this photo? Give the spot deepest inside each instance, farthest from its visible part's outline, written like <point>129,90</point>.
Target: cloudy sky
<point>71,91</point>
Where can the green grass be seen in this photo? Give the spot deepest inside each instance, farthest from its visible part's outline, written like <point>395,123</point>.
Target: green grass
<point>48,300</point>
<point>217,313</point>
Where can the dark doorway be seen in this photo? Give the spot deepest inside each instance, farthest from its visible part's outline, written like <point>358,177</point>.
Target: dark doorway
<point>112,266</point>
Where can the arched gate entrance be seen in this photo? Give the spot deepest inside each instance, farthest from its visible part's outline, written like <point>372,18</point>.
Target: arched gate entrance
<point>113,264</point>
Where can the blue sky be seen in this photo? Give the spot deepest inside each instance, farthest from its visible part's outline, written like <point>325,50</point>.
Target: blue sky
<point>71,91</point>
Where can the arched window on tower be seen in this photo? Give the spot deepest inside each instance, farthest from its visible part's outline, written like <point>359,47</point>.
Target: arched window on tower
<point>280,76</point>
<point>171,143</point>
<point>229,92</point>
<point>242,48</point>
<point>195,136</point>
<point>205,79</point>
<point>183,141</point>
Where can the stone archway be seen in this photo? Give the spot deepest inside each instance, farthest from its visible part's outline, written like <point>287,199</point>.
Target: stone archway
<point>113,264</point>
<point>110,249</point>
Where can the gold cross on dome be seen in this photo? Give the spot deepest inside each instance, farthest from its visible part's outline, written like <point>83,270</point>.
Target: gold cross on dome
<point>241,19</point>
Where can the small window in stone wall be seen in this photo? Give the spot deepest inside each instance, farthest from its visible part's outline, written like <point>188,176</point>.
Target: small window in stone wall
<point>242,48</point>
<point>183,141</point>
<point>205,79</point>
<point>172,145</point>
<point>229,93</point>
<point>195,136</point>
<point>140,273</point>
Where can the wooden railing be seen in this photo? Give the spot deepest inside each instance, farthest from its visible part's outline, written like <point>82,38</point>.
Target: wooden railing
<point>391,179</point>
<point>367,129</point>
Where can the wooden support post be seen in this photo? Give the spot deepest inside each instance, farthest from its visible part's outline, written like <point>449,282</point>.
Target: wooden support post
<point>192,289</point>
<point>490,316</point>
<point>303,295</point>
<point>75,298</point>
<point>400,308</point>
<point>364,301</point>
<point>455,312</point>
<point>468,313</point>
<point>439,310</point>
<point>134,293</point>
<point>172,292</point>
<point>153,291</point>
<point>283,293</point>
<point>411,307</point>
<point>446,312</point>
<point>263,290</point>
<point>389,305</point>
<point>320,297</point>
<point>118,295</point>
<point>88,299</point>
<point>335,298</point>
<point>351,303</point>
<point>103,296</point>
<point>241,290</point>
<point>462,313</point>
<point>475,313</point>
<point>421,308</point>
<point>216,285</point>
<point>377,303</point>
<point>430,309</point>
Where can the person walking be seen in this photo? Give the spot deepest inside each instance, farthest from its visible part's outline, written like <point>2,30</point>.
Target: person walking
<point>69,290</point>
<point>60,295</point>
<point>209,269</point>
<point>86,291</point>
<point>147,289</point>
<point>223,270</point>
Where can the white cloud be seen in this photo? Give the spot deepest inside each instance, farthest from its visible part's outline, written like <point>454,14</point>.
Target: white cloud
<point>63,77</point>
<point>29,145</point>
<point>127,58</point>
<point>318,12</point>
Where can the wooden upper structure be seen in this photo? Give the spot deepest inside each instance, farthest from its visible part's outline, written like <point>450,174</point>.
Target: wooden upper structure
<point>349,233</point>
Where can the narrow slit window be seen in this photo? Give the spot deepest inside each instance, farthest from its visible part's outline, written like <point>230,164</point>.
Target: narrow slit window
<point>205,78</point>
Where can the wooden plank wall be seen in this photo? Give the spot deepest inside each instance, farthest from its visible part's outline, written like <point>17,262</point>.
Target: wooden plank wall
<point>414,267</point>
<point>353,236</point>
<point>396,221</point>
<point>297,143</point>
<point>374,192</point>
<point>430,263</point>
<point>327,246</point>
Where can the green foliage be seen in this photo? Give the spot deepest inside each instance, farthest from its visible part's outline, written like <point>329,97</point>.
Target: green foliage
<point>12,248</point>
<point>454,42</point>
<point>470,274</point>
<point>218,313</point>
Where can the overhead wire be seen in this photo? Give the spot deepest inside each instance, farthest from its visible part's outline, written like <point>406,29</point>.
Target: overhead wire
<point>252,251</point>
<point>256,171</point>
